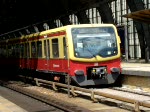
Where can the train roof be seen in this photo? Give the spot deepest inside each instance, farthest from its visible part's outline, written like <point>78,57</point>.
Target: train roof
<point>71,26</point>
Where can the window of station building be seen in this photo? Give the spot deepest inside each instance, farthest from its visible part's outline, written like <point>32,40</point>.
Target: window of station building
<point>33,50</point>
<point>65,47</point>
<point>46,48</point>
<point>73,19</point>
<point>55,50</point>
<point>93,15</point>
<point>39,49</point>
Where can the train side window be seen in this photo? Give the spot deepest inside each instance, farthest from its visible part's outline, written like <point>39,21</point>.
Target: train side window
<point>13,47</point>
<point>55,50</point>
<point>21,50</point>
<point>25,51</point>
<point>1,51</point>
<point>39,49</point>
<point>17,51</point>
<point>65,47</point>
<point>5,51</point>
<point>46,48</point>
<point>28,50</point>
<point>9,50</point>
<point>45,54</point>
<point>33,49</point>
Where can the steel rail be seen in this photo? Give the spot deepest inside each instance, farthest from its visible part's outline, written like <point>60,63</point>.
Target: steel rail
<point>73,89</point>
<point>63,105</point>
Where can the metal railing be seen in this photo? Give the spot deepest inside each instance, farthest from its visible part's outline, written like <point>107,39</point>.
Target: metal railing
<point>92,93</point>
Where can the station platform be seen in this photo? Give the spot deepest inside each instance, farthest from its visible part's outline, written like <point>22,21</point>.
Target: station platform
<point>136,75</point>
<point>134,68</point>
<point>7,106</point>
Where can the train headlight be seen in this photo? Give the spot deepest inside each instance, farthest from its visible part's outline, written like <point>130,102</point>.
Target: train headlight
<point>105,70</point>
<point>93,71</point>
<point>79,72</point>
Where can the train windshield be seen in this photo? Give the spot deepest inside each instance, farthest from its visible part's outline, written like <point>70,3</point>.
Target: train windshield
<point>92,41</point>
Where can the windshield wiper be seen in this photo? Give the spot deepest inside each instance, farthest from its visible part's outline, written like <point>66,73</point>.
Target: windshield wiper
<point>91,53</point>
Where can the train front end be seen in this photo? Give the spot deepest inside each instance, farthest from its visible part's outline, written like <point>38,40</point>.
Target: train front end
<point>94,54</point>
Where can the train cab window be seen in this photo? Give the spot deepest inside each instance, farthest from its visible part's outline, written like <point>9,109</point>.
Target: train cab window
<point>55,50</point>
<point>65,47</point>
<point>39,49</point>
<point>33,49</point>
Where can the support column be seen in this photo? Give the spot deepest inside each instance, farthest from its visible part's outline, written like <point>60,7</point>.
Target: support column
<point>82,17</point>
<point>106,13</point>
<point>142,28</point>
<point>65,20</point>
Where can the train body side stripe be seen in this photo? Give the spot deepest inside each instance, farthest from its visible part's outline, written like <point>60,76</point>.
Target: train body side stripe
<point>49,35</point>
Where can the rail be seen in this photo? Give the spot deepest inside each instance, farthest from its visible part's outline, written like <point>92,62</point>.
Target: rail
<point>93,93</point>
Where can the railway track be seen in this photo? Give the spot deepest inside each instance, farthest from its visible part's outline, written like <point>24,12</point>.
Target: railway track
<point>97,95</point>
<point>139,102</point>
<point>140,92</point>
<point>60,104</point>
<point>16,102</point>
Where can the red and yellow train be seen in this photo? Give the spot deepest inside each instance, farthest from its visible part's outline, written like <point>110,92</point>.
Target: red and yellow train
<point>88,53</point>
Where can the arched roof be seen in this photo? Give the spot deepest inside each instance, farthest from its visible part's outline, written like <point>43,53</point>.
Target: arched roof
<point>16,14</point>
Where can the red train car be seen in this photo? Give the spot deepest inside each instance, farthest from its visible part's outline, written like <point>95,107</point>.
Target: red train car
<point>88,53</point>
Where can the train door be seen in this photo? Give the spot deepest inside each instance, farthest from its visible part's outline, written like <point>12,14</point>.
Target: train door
<point>47,54</point>
<point>59,60</point>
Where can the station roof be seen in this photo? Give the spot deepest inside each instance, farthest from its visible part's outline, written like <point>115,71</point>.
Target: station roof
<point>15,14</point>
<point>141,16</point>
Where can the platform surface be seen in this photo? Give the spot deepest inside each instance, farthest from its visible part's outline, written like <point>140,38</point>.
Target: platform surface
<point>7,106</point>
<point>129,68</point>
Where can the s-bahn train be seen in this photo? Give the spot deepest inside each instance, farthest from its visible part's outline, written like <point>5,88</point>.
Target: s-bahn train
<point>88,53</point>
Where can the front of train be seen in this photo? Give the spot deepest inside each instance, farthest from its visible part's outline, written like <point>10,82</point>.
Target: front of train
<point>94,54</point>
